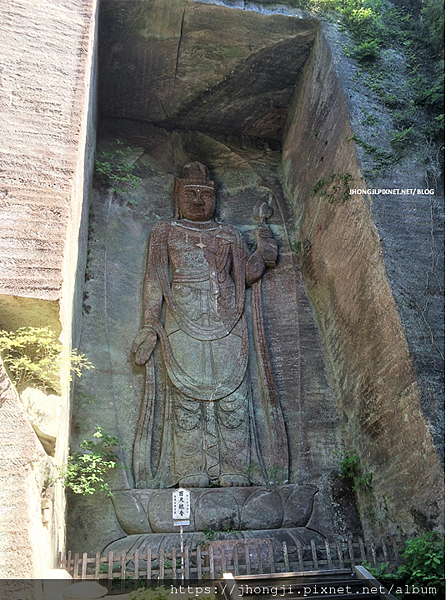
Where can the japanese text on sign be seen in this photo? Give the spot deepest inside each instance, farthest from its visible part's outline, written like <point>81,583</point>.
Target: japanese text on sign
<point>180,504</point>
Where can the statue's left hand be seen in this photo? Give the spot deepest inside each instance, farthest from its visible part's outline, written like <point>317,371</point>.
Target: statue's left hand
<point>144,345</point>
<point>266,245</point>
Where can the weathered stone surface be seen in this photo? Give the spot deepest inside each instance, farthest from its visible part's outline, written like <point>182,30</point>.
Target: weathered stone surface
<point>130,513</point>
<point>166,541</point>
<point>24,468</point>
<point>47,96</point>
<point>218,509</point>
<point>201,67</point>
<point>343,269</point>
<point>43,413</point>
<point>411,226</point>
<point>45,49</point>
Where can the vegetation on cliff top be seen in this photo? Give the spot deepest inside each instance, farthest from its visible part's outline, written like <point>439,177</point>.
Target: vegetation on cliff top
<point>415,97</point>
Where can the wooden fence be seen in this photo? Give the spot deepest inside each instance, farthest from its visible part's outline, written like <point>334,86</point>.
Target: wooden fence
<point>240,557</point>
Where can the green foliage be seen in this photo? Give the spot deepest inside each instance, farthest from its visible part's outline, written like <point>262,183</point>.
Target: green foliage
<point>160,593</point>
<point>424,561</point>
<point>369,120</point>
<point>381,157</point>
<point>391,101</point>
<point>401,139</point>
<point>320,183</point>
<point>432,98</point>
<point>423,566</point>
<point>85,471</point>
<point>367,51</point>
<point>35,358</point>
<point>115,170</point>
<point>433,14</point>
<point>117,566</point>
<point>296,247</point>
<point>276,475</point>
<point>211,534</point>
<point>351,469</point>
<point>436,127</point>
<point>335,188</point>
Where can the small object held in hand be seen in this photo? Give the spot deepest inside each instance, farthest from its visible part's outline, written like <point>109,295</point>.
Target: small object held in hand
<point>262,211</point>
<point>266,243</point>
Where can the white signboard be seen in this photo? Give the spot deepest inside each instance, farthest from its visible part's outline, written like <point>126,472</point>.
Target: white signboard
<point>181,505</point>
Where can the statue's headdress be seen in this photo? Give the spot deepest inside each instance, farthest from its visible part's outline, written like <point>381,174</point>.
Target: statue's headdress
<point>195,174</point>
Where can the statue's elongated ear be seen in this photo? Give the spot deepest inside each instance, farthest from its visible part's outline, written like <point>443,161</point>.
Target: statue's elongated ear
<point>176,197</point>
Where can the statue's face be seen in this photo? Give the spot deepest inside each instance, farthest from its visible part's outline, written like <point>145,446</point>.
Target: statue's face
<point>197,203</point>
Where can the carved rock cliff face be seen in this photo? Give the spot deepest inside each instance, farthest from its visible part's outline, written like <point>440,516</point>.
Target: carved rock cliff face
<point>183,81</point>
<point>342,263</point>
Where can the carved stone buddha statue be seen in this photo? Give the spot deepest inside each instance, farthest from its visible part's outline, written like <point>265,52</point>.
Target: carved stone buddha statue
<point>202,421</point>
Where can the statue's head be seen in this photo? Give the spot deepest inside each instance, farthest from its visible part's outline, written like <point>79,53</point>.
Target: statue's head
<point>195,193</point>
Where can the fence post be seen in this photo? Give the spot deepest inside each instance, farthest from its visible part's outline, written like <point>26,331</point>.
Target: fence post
<point>161,559</point>
<point>314,555</point>
<point>174,563</point>
<point>247,558</point>
<point>136,572</point>
<point>211,561</point>
<point>199,571</point>
<point>299,555</point>
<point>97,565</point>
<point>186,562</point>
<point>351,553</point>
<point>76,566</point>
<point>110,565</point>
<point>271,557</point>
<point>286,560</point>
<point>340,555</point>
<point>327,550</point>
<point>149,564</point>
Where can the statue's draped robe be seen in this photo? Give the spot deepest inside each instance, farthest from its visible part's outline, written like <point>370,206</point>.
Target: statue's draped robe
<point>199,413</point>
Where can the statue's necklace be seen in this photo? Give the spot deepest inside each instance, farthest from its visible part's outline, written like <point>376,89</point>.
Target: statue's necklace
<point>199,230</point>
<point>192,228</point>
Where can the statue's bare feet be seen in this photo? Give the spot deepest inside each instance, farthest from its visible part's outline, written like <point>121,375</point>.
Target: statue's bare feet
<point>200,480</point>
<point>234,481</point>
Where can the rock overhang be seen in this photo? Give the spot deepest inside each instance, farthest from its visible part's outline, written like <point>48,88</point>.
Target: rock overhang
<point>207,68</point>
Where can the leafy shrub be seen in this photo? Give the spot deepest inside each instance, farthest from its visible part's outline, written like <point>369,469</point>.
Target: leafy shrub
<point>84,472</point>
<point>320,183</point>
<point>432,97</point>
<point>160,593</point>
<point>351,469</point>
<point>424,562</point>
<point>115,170</point>
<point>35,357</point>
<point>401,139</point>
<point>423,566</point>
<point>367,52</point>
<point>433,14</point>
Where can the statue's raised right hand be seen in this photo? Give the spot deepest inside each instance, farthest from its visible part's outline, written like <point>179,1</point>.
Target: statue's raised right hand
<point>144,345</point>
